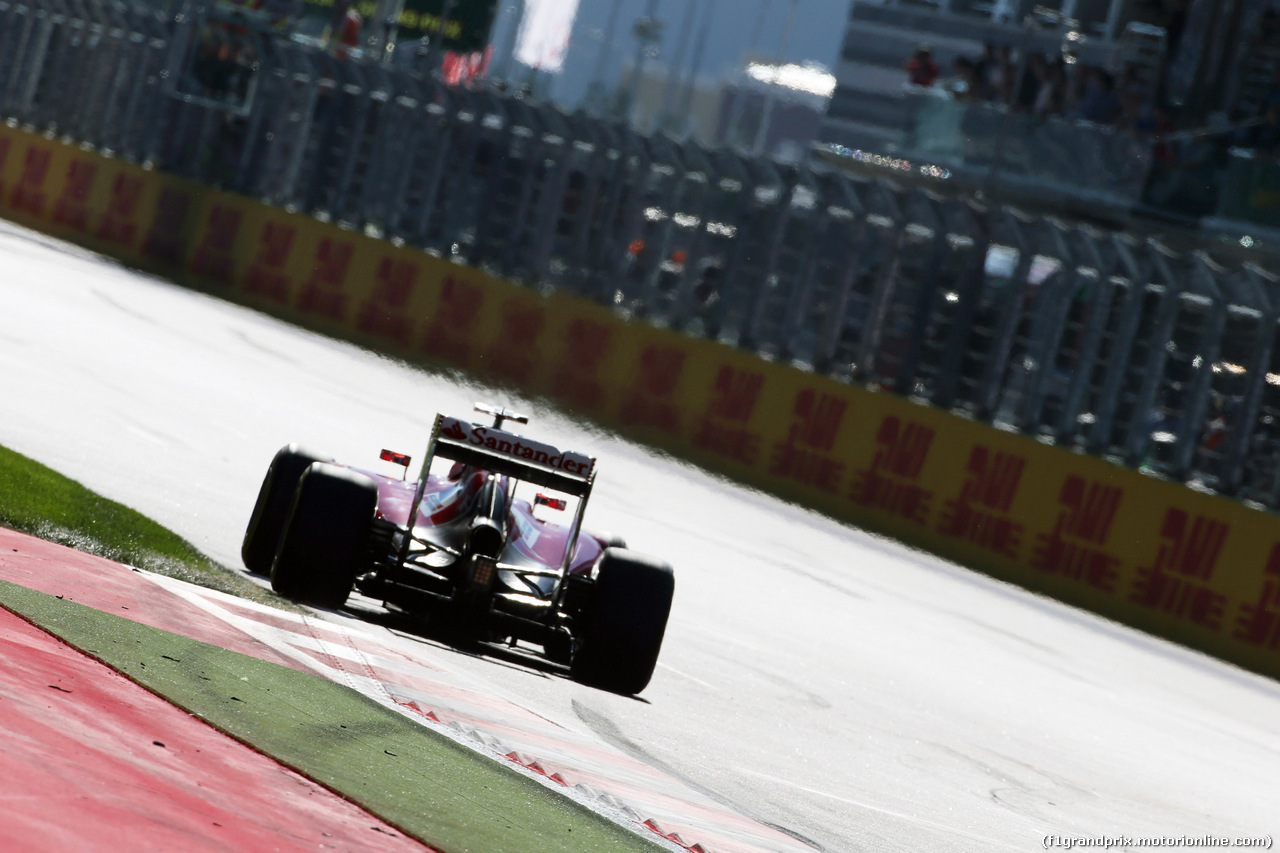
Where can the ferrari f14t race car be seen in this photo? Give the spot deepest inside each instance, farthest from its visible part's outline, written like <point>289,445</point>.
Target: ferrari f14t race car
<point>489,539</point>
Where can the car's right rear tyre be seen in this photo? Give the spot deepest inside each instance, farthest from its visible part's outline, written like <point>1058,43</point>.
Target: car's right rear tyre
<point>275,499</point>
<point>618,647</point>
<point>326,538</point>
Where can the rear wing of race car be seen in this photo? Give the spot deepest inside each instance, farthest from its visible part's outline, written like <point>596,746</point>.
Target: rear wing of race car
<point>506,453</point>
<point>493,449</point>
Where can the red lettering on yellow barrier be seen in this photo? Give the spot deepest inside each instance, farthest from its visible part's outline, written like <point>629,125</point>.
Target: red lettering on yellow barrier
<point>385,313</point>
<point>736,393</point>
<point>978,514</point>
<point>119,223</point>
<point>1188,552</point>
<point>577,379</point>
<point>802,456</point>
<point>819,417</point>
<point>1258,622</point>
<point>1090,508</point>
<point>72,207</point>
<point>649,401</point>
<point>515,352</point>
<point>323,293</point>
<point>1191,545</point>
<point>449,335</point>
<point>268,276</point>
<point>165,241</point>
<point>1070,550</point>
<point>721,429</point>
<point>891,484</point>
<point>993,478</point>
<point>28,194</point>
<point>214,256</point>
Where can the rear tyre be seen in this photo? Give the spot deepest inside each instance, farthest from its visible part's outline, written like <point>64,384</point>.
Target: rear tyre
<point>270,513</point>
<point>618,648</point>
<point>326,539</point>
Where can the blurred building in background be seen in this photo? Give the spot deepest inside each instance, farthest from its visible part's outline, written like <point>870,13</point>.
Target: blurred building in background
<point>765,108</point>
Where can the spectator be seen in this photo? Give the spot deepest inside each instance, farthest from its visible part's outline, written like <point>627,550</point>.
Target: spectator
<point>1214,435</point>
<point>1133,93</point>
<point>1272,95</point>
<point>998,76</point>
<point>989,71</point>
<point>1005,92</point>
<point>1100,104</point>
<point>1266,136</point>
<point>1034,75</point>
<point>1153,120</point>
<point>1052,94</point>
<point>343,31</point>
<point>349,34</point>
<point>707,290</point>
<point>964,83</point>
<point>1174,21</point>
<point>922,69</point>
<point>1269,26</point>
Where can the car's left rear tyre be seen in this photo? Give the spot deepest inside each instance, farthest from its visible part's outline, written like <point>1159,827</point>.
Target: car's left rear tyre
<point>271,511</point>
<point>326,538</point>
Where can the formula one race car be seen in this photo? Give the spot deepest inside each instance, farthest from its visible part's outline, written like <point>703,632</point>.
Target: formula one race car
<point>488,539</point>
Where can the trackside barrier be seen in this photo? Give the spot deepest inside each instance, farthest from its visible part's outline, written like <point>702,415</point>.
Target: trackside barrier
<point>1096,341</point>
<point>1193,567</point>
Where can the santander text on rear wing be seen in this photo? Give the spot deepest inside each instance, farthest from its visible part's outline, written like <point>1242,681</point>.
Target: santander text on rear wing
<point>503,452</point>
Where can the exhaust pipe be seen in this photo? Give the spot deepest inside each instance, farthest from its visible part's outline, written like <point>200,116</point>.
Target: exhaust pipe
<point>486,539</point>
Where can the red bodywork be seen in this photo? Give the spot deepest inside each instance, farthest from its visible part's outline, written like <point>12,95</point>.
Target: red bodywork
<point>450,500</point>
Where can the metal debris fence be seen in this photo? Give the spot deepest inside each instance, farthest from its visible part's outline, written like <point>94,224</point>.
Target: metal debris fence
<point>1094,341</point>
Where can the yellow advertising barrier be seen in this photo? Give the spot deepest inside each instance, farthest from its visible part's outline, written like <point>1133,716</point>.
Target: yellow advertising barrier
<point>1198,569</point>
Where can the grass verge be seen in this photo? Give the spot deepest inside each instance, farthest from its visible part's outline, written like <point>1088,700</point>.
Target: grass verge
<point>41,502</point>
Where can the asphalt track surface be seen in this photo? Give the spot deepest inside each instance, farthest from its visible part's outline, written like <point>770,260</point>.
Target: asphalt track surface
<point>855,693</point>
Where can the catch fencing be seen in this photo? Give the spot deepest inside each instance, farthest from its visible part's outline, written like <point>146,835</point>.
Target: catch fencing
<point>1095,341</point>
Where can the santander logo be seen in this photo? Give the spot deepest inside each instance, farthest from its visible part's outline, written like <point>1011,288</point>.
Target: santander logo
<point>516,447</point>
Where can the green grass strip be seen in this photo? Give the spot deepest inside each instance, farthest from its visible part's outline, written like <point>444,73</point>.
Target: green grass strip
<point>416,779</point>
<point>36,500</point>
